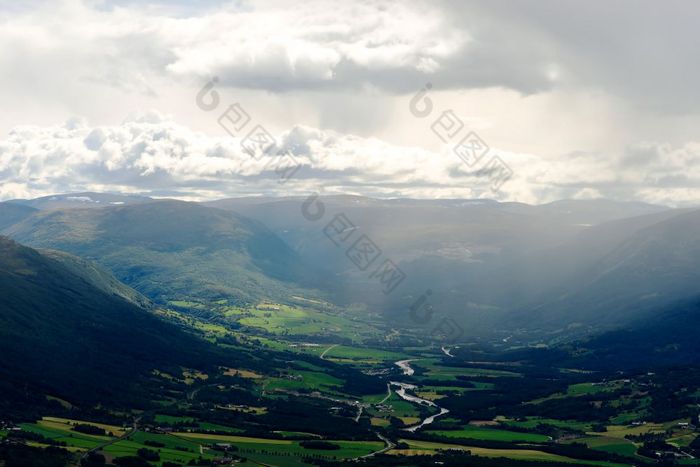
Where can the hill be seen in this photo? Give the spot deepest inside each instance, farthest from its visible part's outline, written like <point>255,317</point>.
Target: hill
<point>489,264</point>
<point>60,335</point>
<point>173,250</point>
<point>11,213</point>
<point>80,201</point>
<point>625,271</point>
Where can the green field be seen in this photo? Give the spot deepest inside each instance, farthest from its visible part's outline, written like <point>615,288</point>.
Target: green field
<point>171,419</point>
<point>612,445</point>
<point>363,354</point>
<point>304,379</point>
<point>490,434</point>
<point>62,433</point>
<point>272,450</point>
<point>426,447</point>
<point>435,371</point>
<point>175,450</point>
<point>532,422</point>
<point>283,320</point>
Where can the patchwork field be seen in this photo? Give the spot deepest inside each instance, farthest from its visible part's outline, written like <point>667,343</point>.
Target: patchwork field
<point>426,447</point>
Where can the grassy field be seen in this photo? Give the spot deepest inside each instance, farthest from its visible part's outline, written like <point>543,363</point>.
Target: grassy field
<point>363,354</point>
<point>582,389</point>
<point>171,419</point>
<point>60,430</point>
<point>426,447</point>
<point>616,431</point>
<point>490,434</point>
<point>304,379</point>
<point>435,371</point>
<point>532,422</point>
<point>607,444</point>
<point>206,426</point>
<point>283,319</point>
<point>175,449</point>
<point>273,450</point>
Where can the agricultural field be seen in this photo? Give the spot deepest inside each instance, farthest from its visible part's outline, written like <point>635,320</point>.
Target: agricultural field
<point>533,422</point>
<point>425,447</point>
<point>168,447</point>
<point>285,320</point>
<point>609,444</point>
<point>362,355</point>
<point>251,405</point>
<point>282,451</point>
<point>433,370</point>
<point>62,431</point>
<point>490,434</point>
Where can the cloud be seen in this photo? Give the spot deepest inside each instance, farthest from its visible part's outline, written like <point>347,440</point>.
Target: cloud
<point>266,44</point>
<point>617,120</point>
<point>331,45</point>
<point>151,154</point>
<point>395,45</point>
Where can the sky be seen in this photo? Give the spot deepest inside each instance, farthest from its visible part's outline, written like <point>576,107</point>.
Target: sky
<point>529,101</point>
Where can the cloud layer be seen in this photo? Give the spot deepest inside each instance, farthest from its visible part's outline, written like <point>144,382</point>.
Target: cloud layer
<point>151,154</point>
<point>641,51</point>
<point>579,99</point>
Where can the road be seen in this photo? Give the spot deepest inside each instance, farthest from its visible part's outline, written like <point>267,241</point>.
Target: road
<point>388,447</point>
<point>323,355</point>
<point>388,394</point>
<point>110,442</point>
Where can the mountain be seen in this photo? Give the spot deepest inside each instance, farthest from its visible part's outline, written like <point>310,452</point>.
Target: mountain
<point>634,267</point>
<point>483,260</point>
<point>60,335</point>
<point>591,264</point>
<point>596,211</point>
<point>173,250</point>
<point>98,278</point>
<point>12,213</point>
<point>668,336</point>
<point>81,201</point>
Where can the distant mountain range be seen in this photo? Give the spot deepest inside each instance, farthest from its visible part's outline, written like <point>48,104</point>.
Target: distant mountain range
<point>170,250</point>
<point>568,267</point>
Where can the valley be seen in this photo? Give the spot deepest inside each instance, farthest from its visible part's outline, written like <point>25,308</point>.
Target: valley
<point>224,344</point>
<point>304,405</point>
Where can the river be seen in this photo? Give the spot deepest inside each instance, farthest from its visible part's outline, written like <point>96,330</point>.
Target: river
<point>404,365</point>
<point>402,391</point>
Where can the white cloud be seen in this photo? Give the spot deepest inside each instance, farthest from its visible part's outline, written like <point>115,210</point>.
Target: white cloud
<point>266,44</point>
<point>531,75</point>
<point>151,154</point>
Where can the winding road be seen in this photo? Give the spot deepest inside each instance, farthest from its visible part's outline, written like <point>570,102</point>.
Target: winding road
<point>323,355</point>
<point>389,445</point>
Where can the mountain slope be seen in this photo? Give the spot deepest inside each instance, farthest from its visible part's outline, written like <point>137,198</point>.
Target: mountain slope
<point>667,337</point>
<point>98,277</point>
<point>652,266</point>
<point>173,250</point>
<point>483,260</point>
<point>81,201</point>
<point>11,213</point>
<point>60,335</point>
